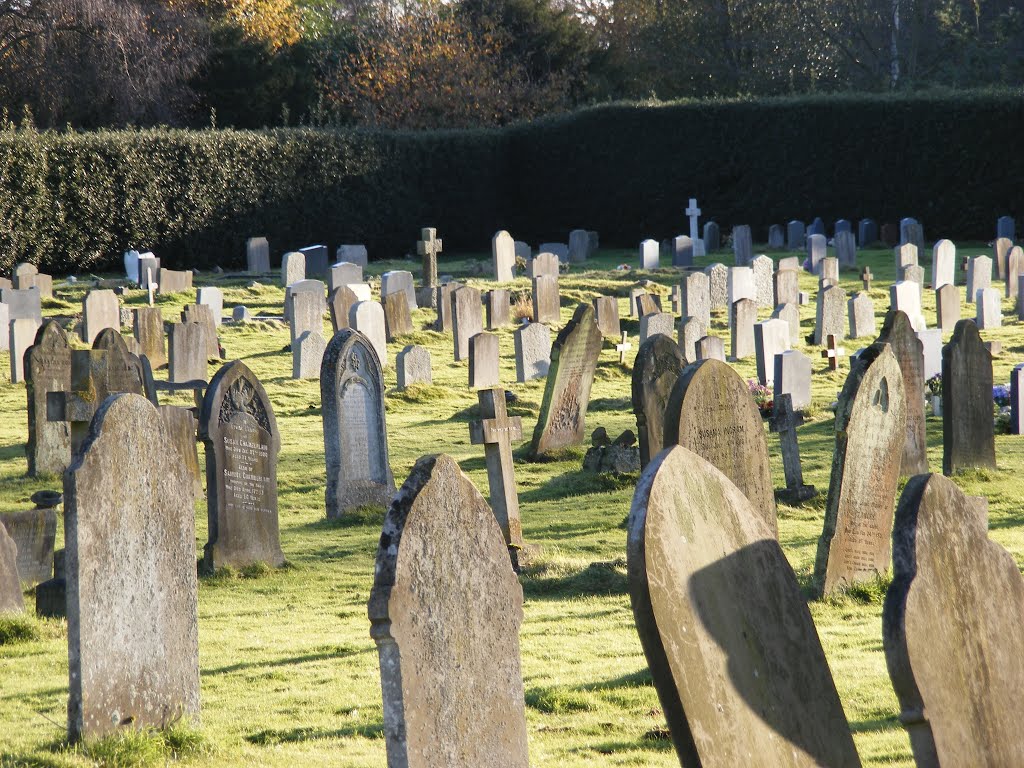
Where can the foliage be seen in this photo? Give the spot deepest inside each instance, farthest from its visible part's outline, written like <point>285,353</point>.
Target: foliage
<point>17,629</point>
<point>934,384</point>
<point>1001,395</point>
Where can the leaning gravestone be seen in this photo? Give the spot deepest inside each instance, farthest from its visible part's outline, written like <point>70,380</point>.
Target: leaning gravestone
<point>728,637</point>
<point>951,630</point>
<point>968,436</point>
<point>445,613</point>
<point>132,593</point>
<point>563,411</point>
<point>899,334</point>
<point>355,431</point>
<point>238,428</point>
<point>11,599</point>
<point>870,433</point>
<point>658,365</point>
<point>712,413</point>
<point>47,373</point>
<point>443,300</point>
<point>340,304</point>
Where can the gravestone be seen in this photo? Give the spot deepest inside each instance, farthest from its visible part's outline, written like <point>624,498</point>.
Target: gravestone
<point>5,322</point>
<point>696,297</point>
<point>817,227</point>
<point>579,246</point>
<point>867,232</point>
<point>908,349</point>
<point>22,334</point>
<point>712,413</point>
<point>355,429</point>
<point>238,428</point>
<point>187,360</point>
<point>951,630</point>
<point>131,266</point>
<point>483,361</point>
<point>911,231</point>
<point>1014,270</point>
<point>649,255</point>
<point>870,432</point>
<point>173,281</point>
<point>367,317</point>
<point>293,268</point>
<point>693,214</point>
<point>129,532</point>
<point>711,348</point>
<point>1006,227</point>
<point>931,341</point>
<point>830,318</point>
<point>533,351</point>
<point>546,300</point>
<point>796,235</point>
<point>947,307</point>
<point>906,255</point>
<point>979,275</point>
<point>399,281</point>
<point>307,354</point>
<point>445,612</point>
<point>829,271</point>
<point>1002,249</point>
<point>742,319</point>
<point>34,533</point>
<point>543,264</point>
<point>315,261</point>
<point>647,304</point>
<point>905,296</point>
<point>968,438</point>
<point>989,309</point>
<point>785,419</point>
<point>943,264</point>
<point>776,237</point>
<point>718,284</point>
<point>497,308</point>
<point>503,256</point>
<point>428,247</point>
<point>100,310</point>
<point>47,374</point>
<point>25,304</point>
<point>523,251</point>
<point>11,599</point>
<point>606,312</point>
<point>682,251</point>
<point>762,268</point>
<point>214,299</point>
<point>914,273</point>
<point>742,245</point>
<point>397,321</point>
<point>712,237</point>
<point>793,378</point>
<point>1017,400</point>
<point>202,314</point>
<point>817,249</point>
<point>691,331</point>
<point>343,273</point>
<point>789,312</point>
<point>786,287</point>
<point>340,304</point>
<point>841,226</point>
<point>771,338</point>
<point>352,253</point>
<point>467,319</point>
<point>656,324</point>
<point>148,329</point>
<point>563,410</point>
<point>149,272</point>
<point>658,365</point>
<point>740,285</point>
<point>443,299</point>
<point>846,249</point>
<point>731,645</point>
<point>413,366</point>
<point>861,313</point>
<point>257,255</point>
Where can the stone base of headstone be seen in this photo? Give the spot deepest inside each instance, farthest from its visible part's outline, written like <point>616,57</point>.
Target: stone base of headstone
<point>427,297</point>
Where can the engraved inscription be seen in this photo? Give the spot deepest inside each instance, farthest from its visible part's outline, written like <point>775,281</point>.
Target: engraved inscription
<point>246,455</point>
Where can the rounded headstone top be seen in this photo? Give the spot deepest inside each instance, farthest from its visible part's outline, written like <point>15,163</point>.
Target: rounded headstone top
<point>47,499</point>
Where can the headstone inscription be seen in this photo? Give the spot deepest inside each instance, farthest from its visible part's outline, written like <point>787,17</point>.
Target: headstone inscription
<point>655,371</point>
<point>563,410</point>
<point>445,612</point>
<point>355,430</point>
<point>238,428</point>
<point>950,630</point>
<point>908,349</point>
<point>870,433</point>
<point>496,431</point>
<point>47,378</point>
<point>724,626</point>
<point>712,413</point>
<point>129,531</point>
<point>968,436</point>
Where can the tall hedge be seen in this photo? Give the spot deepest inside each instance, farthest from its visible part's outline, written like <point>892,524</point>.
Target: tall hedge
<point>75,202</point>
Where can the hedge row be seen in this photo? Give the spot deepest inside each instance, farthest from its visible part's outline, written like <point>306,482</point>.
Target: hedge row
<point>75,202</point>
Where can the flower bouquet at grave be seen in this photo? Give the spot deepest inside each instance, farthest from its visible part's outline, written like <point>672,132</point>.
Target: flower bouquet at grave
<point>762,397</point>
<point>934,385</point>
<point>1001,401</point>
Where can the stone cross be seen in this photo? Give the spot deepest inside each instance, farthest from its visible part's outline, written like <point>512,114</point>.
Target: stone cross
<point>867,277</point>
<point>832,353</point>
<point>693,212</point>
<point>428,248</point>
<point>496,431</point>
<point>785,420</point>
<point>623,348</point>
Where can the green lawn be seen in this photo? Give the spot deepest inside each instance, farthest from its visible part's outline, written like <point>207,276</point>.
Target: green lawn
<point>289,673</point>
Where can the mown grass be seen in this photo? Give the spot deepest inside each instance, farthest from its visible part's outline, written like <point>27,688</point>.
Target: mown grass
<point>289,673</point>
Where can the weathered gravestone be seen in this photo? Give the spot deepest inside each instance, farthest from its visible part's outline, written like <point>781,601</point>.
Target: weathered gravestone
<point>173,281</point>
<point>307,355</point>
<point>428,247</point>
<point>785,419</point>
<point>656,324</point>
<point>353,253</point>
<point>786,287</point>
<point>790,314</point>
<point>691,331</point>
<point>129,530</point>
<point>34,533</point>
<point>238,428</point>
<point>47,376</point>
<point>1014,270</point>
<point>340,304</point>
<point>543,264</point>
<point>655,372</point>
<point>606,312</point>
<point>695,297</point>
<point>497,309</point>
<point>742,244</point>
<point>796,234</point>
<point>503,256</point>
<point>467,319</point>
<point>979,275</point>
<point>257,255</point>
<point>968,436</point>
<point>148,329</point>
<point>860,312</point>
<point>563,411</point>
<point>710,348</point>
<point>846,249</point>
<point>817,249</point>
<point>483,361</point>
<point>870,433</point>
<point>1001,250</point>
<point>22,334</point>
<point>951,631</point>
<point>397,321</point>
<point>399,281</point>
<point>828,271</point>
<point>742,318</point>
<point>718,284</point>
<point>343,273</point>
<point>307,313</point>
<point>533,351</point>
<point>203,314</point>
<point>187,344</point>
<point>496,431</point>
<point>445,612</point>
<point>412,366</point>
<point>776,237</point>
<point>682,251</point>
<point>579,246</point>
<point>989,313</point>
<point>712,237</point>
<point>214,299</point>
<point>293,268</point>
<point>11,599</point>
<point>25,304</point>
<point>100,310</point>
<point>763,268</point>
<point>355,431</point>
<point>367,317</point>
<point>830,319</point>
<point>947,307</point>
<point>943,264</point>
<point>867,232</point>
<point>771,338</point>
<point>443,300</point>
<point>899,334</point>
<point>730,642</point>
<point>712,413</point>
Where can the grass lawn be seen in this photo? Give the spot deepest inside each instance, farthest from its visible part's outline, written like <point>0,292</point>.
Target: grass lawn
<point>288,671</point>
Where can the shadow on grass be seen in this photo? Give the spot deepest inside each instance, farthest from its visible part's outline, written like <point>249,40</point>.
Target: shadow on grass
<point>371,515</point>
<point>616,404</point>
<point>273,737</point>
<point>599,578</point>
<point>875,724</point>
<point>639,679</point>
<point>334,653</point>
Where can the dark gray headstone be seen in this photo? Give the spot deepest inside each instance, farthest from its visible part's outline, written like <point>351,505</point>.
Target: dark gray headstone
<point>712,237</point>
<point>796,235</point>
<point>47,377</point>
<point>655,372</point>
<point>968,435</point>
<point>467,319</point>
<point>316,260</point>
<point>397,321</point>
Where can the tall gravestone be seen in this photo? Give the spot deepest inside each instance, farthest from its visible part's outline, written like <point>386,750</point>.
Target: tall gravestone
<point>951,630</point>
<point>563,410</point>
<point>503,256</point>
<point>658,365</point>
<point>355,431</point>
<point>132,593</point>
<point>870,433</point>
<point>257,255</point>
<point>100,310</point>
<point>899,334</point>
<point>467,319</point>
<point>47,374</point>
<point>533,351</point>
<point>367,317</point>
<point>968,435</point>
<point>238,428</point>
<point>742,244</point>
<point>148,329</point>
<point>712,413</point>
<point>445,612</point>
<point>293,268</point>
<point>731,645</point>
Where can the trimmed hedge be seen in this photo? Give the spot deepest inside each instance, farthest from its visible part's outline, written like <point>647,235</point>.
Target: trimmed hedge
<point>75,202</point>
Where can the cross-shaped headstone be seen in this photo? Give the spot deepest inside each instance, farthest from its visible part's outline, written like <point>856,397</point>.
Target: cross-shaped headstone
<point>496,431</point>
<point>693,212</point>
<point>785,420</point>
<point>428,248</point>
<point>867,277</point>
<point>623,347</point>
<point>832,352</point>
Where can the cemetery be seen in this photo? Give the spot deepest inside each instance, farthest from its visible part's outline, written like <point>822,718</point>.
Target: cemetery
<point>741,496</point>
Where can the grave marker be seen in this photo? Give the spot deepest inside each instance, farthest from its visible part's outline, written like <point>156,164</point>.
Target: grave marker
<point>546,300</point>
<point>785,419</point>
<point>47,377</point>
<point>413,366</point>
<point>496,431</point>
<point>606,311</point>
<point>483,361</point>
<point>397,322</point>
<point>148,330</point>
<point>257,255</point>
<point>655,371</point>
<point>467,319</point>
<point>533,351</point>
<point>742,245</point>
<point>503,256</point>
<point>307,355</point>
<point>367,317</point>
<point>293,268</point>
<point>968,438</point>
<point>908,349</point>
<point>100,309</point>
